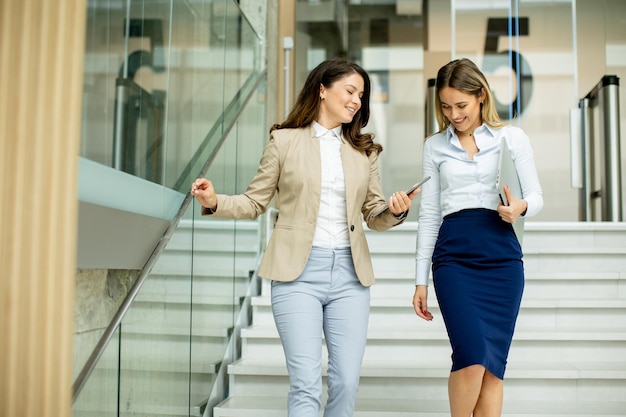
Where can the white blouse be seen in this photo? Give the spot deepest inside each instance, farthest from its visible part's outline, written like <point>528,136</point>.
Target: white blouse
<point>331,230</point>
<point>459,182</point>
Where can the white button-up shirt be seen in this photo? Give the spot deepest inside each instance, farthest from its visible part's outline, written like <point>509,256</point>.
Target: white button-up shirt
<point>459,182</point>
<point>331,230</point>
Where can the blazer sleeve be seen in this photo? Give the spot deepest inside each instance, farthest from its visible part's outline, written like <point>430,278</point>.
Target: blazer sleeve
<point>375,201</point>
<point>257,197</point>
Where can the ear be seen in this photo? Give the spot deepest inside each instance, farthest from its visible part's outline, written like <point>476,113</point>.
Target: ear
<point>322,89</point>
<point>483,95</point>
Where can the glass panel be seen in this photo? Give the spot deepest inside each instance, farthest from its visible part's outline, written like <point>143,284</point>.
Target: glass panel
<point>616,65</point>
<point>196,83</point>
<point>174,337</point>
<point>155,336</point>
<point>99,395</point>
<point>387,40</point>
<point>125,86</point>
<point>209,146</point>
<point>152,98</point>
<point>239,44</point>
<point>104,47</point>
<point>526,50</point>
<point>226,251</point>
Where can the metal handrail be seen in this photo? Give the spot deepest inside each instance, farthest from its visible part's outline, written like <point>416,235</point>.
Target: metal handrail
<point>96,354</point>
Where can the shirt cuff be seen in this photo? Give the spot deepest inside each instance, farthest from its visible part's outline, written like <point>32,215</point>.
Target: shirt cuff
<point>402,215</point>
<point>422,271</point>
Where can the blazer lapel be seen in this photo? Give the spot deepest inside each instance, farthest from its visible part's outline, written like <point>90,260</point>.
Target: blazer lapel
<point>351,160</point>
<point>313,158</point>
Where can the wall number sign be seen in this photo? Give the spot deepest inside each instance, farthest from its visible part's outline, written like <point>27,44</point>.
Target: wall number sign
<point>495,59</point>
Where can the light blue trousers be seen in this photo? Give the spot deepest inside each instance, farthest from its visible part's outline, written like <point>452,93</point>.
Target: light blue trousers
<point>327,298</point>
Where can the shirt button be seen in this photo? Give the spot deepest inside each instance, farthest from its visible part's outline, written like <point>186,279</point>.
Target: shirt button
<point>352,228</point>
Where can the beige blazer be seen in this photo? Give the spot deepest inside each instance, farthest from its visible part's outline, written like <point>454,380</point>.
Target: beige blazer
<point>291,168</point>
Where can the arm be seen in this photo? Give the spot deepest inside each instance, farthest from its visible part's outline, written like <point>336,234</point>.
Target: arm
<point>394,212</point>
<point>254,201</point>
<point>429,218</point>
<point>427,231</point>
<point>532,201</point>
<point>529,179</point>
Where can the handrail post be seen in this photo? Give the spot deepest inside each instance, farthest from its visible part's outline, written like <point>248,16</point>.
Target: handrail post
<point>287,47</point>
<point>600,152</point>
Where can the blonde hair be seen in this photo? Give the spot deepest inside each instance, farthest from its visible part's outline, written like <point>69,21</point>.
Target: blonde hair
<point>463,75</point>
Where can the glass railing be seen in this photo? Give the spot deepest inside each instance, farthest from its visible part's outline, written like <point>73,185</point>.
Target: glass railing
<point>158,76</point>
<point>167,351</point>
<point>188,100</point>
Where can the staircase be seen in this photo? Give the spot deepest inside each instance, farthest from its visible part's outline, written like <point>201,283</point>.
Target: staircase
<point>174,337</point>
<point>568,357</point>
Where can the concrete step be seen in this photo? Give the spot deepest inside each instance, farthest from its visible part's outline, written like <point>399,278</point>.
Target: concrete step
<point>276,407</point>
<point>386,379</point>
<point>167,350</point>
<point>548,247</point>
<point>538,285</point>
<point>216,235</point>
<point>215,244</point>
<point>539,237</point>
<point>569,346</point>
<point>580,344</point>
<point>535,313</point>
<point>143,393</point>
<point>178,310</point>
<point>220,286</point>
<point>96,410</point>
<point>218,263</point>
<point>553,260</point>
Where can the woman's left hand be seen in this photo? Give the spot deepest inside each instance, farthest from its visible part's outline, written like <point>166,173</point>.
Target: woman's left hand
<point>400,202</point>
<point>420,302</point>
<point>515,208</point>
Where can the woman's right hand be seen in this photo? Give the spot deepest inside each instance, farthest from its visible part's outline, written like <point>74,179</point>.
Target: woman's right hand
<point>420,302</point>
<point>204,192</point>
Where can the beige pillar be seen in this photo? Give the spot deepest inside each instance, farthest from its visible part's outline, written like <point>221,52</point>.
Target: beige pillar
<point>286,27</point>
<point>41,73</point>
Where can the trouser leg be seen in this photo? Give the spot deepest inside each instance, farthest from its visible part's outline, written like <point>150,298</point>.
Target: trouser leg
<point>298,313</point>
<point>346,317</point>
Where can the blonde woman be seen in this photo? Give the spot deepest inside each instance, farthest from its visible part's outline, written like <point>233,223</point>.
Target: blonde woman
<point>465,236</point>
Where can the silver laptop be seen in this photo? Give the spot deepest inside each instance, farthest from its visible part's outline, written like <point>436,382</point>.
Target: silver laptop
<point>507,175</point>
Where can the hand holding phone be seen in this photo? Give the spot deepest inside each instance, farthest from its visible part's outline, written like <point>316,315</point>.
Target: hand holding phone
<point>409,191</point>
<point>417,185</point>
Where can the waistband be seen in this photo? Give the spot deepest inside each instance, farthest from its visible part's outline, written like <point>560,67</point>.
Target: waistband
<point>330,251</point>
<point>472,213</point>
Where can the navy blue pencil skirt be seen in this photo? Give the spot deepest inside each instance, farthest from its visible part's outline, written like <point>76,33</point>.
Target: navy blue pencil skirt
<point>478,276</point>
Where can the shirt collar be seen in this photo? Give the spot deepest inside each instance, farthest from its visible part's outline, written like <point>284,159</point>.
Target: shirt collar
<point>482,128</point>
<point>321,131</point>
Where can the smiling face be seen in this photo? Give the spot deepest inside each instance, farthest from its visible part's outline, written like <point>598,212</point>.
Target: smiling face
<point>340,101</point>
<point>461,109</point>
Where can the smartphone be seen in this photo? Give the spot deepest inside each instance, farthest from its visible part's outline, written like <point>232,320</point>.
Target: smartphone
<point>409,191</point>
<point>416,186</point>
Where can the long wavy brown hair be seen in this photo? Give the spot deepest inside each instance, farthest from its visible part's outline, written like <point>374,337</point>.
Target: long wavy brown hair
<point>307,106</point>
